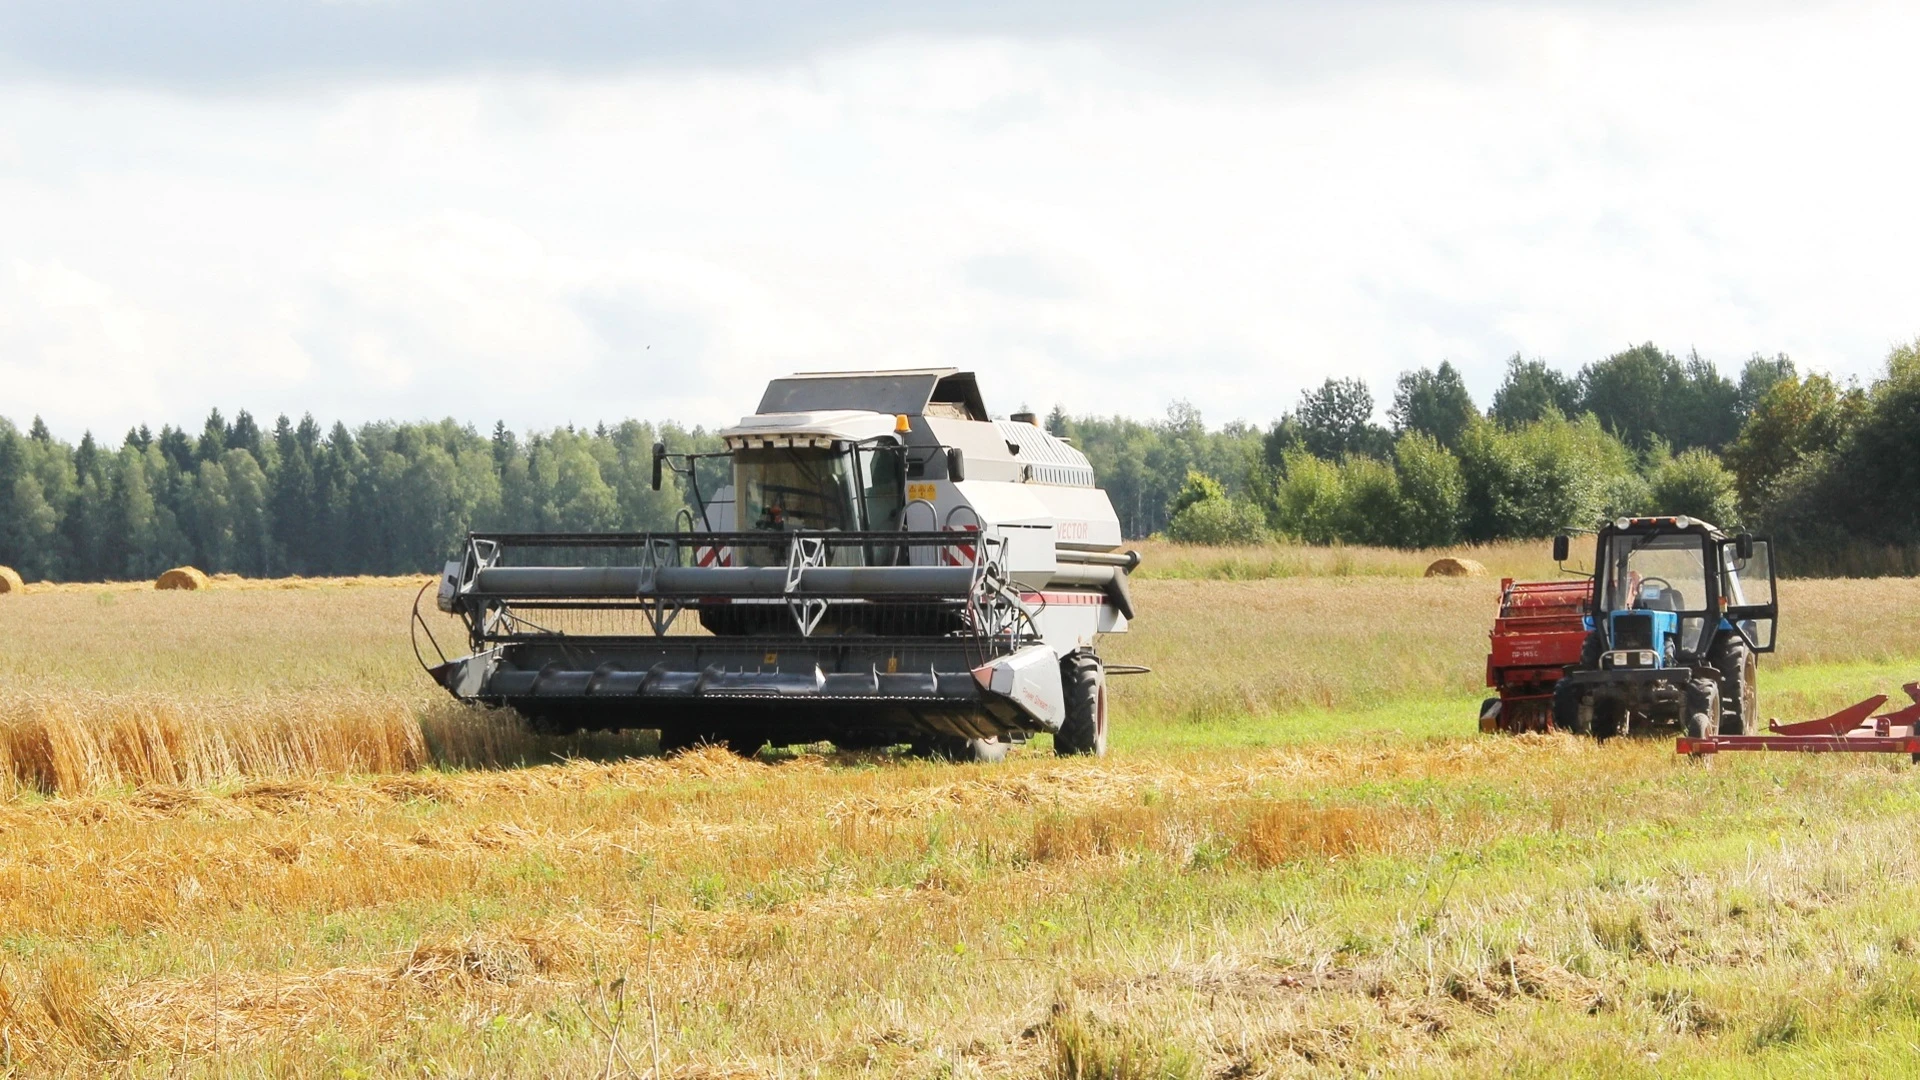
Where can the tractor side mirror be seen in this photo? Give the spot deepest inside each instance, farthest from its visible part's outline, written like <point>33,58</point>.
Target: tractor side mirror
<point>956,464</point>
<point>1743,546</point>
<point>659,459</point>
<point>1560,545</point>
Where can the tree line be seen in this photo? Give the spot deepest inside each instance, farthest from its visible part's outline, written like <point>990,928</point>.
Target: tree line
<point>1832,469</point>
<point>385,498</point>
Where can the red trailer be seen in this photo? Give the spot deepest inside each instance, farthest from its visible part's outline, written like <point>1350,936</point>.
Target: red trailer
<point>1539,633</point>
<point>1855,730</point>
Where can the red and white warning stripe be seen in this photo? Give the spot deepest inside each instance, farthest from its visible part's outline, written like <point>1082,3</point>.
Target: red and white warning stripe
<point>959,554</point>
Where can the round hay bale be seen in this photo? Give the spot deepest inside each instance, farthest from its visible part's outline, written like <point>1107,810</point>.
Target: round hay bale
<point>181,577</point>
<point>1452,567</point>
<point>10,581</point>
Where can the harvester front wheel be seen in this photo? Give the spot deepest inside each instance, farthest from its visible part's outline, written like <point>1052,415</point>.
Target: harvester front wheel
<point>1739,690</point>
<point>1084,731</point>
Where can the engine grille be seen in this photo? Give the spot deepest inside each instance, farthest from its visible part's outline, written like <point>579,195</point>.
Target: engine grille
<point>1633,632</point>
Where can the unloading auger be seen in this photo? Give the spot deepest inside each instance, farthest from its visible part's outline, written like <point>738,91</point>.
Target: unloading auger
<point>887,565</point>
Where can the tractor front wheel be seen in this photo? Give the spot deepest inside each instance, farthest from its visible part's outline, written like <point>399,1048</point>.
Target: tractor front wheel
<point>1610,718</point>
<point>1739,690</point>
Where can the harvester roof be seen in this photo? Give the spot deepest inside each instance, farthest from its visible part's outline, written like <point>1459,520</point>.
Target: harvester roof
<point>947,392</point>
<point>820,429</point>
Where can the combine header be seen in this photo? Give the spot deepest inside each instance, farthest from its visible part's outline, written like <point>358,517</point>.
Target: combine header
<point>885,565</point>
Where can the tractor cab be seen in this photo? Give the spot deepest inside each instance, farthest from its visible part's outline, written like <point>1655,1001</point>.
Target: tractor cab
<point>1679,611</point>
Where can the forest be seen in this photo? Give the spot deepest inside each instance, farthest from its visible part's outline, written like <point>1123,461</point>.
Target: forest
<point>1831,468</point>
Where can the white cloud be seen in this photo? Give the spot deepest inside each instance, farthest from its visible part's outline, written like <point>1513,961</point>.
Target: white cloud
<point>1101,222</point>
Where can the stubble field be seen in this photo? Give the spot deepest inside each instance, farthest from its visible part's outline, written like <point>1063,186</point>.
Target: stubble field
<point>241,834</point>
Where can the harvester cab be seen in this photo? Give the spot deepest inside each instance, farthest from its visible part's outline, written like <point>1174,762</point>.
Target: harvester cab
<point>883,563</point>
<point>1677,616</point>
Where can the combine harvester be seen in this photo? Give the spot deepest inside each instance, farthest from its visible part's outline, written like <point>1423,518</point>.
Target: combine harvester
<point>1665,635</point>
<point>883,565</point>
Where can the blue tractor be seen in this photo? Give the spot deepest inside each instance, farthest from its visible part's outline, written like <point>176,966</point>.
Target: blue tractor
<point>1679,615</point>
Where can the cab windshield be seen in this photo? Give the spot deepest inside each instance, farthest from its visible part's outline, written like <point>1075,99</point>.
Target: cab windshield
<point>787,489</point>
<point>1659,573</point>
<point>817,490</point>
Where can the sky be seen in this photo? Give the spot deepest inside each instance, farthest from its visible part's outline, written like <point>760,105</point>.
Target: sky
<point>587,210</point>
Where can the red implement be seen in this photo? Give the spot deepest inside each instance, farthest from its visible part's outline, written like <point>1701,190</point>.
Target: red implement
<point>1541,628</point>
<point>1855,729</point>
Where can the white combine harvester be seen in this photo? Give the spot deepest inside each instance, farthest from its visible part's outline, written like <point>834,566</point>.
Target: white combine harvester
<point>887,566</point>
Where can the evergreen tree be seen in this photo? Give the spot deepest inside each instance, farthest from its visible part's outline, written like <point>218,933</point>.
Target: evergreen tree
<point>178,449</point>
<point>129,526</point>
<point>245,435</point>
<point>214,436</point>
<point>86,525</point>
<point>292,499</point>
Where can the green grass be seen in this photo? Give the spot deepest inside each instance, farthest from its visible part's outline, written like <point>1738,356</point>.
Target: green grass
<point>1789,692</point>
<point>1301,858</point>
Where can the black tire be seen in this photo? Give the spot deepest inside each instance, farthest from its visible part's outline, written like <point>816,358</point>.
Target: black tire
<point>1609,719</point>
<point>1084,730</point>
<point>1703,702</point>
<point>1566,708</point>
<point>1698,725</point>
<point>1739,689</point>
<point>961,749</point>
<point>1590,651</point>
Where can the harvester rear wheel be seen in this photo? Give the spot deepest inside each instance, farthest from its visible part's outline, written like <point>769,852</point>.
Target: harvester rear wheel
<point>1084,731</point>
<point>1739,690</point>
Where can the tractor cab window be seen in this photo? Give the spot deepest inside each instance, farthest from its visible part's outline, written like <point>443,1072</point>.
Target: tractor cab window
<point>1659,573</point>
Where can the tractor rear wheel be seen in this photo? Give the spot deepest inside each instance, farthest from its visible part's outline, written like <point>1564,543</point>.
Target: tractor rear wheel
<point>1084,730</point>
<point>1739,690</point>
<point>1566,708</point>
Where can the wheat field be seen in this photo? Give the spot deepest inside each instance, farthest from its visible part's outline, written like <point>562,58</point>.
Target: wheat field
<point>242,834</point>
